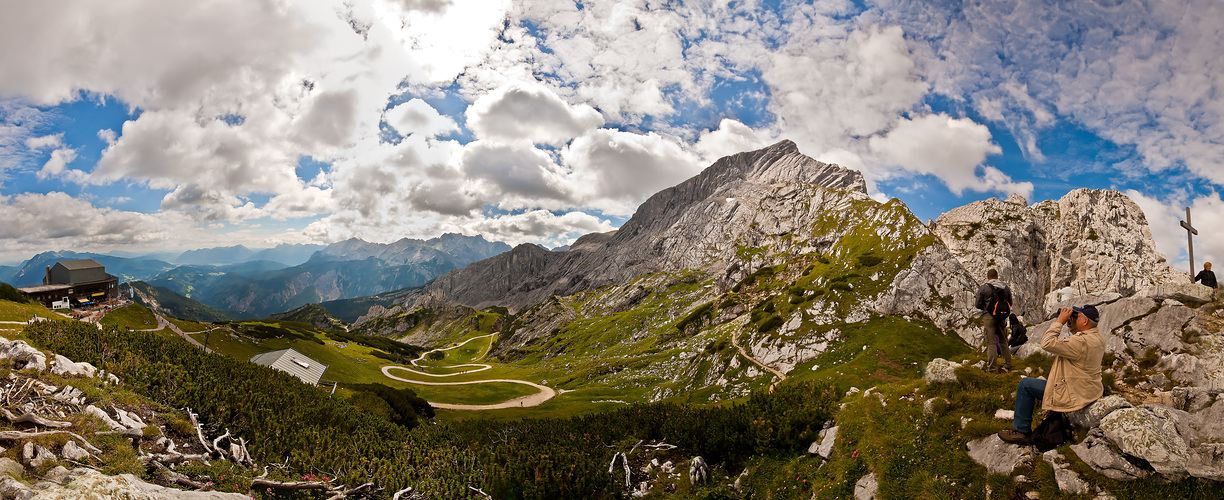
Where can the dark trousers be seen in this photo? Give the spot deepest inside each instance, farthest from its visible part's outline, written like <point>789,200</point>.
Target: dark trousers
<point>1028,392</point>
<point>994,332</point>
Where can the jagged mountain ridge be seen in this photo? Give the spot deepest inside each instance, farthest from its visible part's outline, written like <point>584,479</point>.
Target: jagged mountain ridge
<point>460,250</point>
<point>685,226</point>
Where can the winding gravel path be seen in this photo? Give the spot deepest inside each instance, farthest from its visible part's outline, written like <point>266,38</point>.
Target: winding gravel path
<point>545,393</point>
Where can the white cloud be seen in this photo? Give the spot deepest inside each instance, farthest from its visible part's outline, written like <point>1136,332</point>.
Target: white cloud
<point>616,171</point>
<point>731,137</point>
<point>828,89</point>
<point>56,166</point>
<point>417,117</point>
<point>37,222</point>
<point>950,149</point>
<point>108,136</point>
<point>539,226</point>
<point>513,175</point>
<point>528,111</point>
<point>44,142</point>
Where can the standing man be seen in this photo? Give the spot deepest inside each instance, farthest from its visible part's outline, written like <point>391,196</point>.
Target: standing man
<point>994,298</point>
<point>1207,277</point>
<point>1075,377</point>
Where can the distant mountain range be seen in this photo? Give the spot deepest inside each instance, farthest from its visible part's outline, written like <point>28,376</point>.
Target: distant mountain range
<point>239,282</point>
<point>287,254</point>
<point>167,302</point>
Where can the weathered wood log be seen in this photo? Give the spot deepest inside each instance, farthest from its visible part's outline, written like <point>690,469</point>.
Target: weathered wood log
<point>195,422</point>
<point>167,458</point>
<point>179,478</point>
<point>31,418</point>
<point>291,485</point>
<point>18,435</point>
<point>132,433</point>
<point>345,493</point>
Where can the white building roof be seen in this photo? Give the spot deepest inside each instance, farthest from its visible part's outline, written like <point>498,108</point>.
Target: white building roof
<point>293,363</point>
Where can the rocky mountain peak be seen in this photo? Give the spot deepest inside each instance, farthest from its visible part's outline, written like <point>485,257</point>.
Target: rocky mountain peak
<point>1097,238</point>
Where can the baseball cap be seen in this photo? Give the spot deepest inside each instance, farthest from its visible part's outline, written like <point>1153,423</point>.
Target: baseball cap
<point>1090,311</point>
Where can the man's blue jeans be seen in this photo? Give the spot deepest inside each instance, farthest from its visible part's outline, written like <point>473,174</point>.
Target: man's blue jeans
<point>1028,392</point>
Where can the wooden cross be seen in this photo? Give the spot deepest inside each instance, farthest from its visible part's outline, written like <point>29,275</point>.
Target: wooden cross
<point>1190,232</point>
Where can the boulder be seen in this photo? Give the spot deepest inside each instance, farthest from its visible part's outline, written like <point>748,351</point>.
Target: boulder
<point>10,467</point>
<point>867,487</point>
<point>65,367</point>
<point>57,475</point>
<point>86,483</point>
<point>997,456</point>
<point>73,452</point>
<point>1090,416</point>
<point>1139,432</point>
<point>1068,481</point>
<point>106,419</point>
<point>1193,293</point>
<point>35,455</point>
<point>14,489</point>
<point>824,446</point>
<point>1160,330</point>
<point>941,370</point>
<point>1095,451</point>
<point>23,355</point>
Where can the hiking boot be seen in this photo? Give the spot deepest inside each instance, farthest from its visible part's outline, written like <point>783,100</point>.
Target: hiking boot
<point>1005,369</point>
<point>1015,436</point>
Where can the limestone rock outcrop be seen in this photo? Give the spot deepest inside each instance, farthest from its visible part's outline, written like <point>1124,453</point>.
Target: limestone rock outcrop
<point>1097,239</point>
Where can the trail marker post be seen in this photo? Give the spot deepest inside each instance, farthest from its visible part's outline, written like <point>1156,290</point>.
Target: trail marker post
<point>1190,233</point>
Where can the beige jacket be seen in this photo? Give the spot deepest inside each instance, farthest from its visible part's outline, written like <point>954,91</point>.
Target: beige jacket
<point>1075,378</point>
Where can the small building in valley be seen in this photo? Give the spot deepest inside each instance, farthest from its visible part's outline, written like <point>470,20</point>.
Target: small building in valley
<point>293,363</point>
<point>83,281</point>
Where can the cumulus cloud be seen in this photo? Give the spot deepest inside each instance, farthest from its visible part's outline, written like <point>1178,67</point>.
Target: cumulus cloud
<point>529,112</point>
<point>617,170</point>
<point>539,226</point>
<point>56,166</point>
<point>46,141</point>
<point>417,117</point>
<point>36,222</point>
<point>518,175</point>
<point>951,149</point>
<point>729,138</point>
<point>830,88</point>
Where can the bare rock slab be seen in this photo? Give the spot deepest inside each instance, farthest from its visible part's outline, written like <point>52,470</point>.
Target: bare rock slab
<point>997,456</point>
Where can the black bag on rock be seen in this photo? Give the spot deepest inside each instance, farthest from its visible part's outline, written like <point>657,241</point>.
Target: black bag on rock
<point>1053,431</point>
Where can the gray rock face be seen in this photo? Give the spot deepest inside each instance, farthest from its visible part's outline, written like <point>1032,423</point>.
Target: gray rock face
<point>63,366</point>
<point>1161,330</point>
<point>73,452</point>
<point>1099,239</point>
<point>867,487</point>
<point>86,483</point>
<point>1193,293</point>
<point>1091,415</point>
<point>10,467</point>
<point>1068,481</point>
<point>997,456</point>
<point>824,446</point>
<point>940,370</point>
<point>1141,433</point>
<point>1096,452</point>
<point>23,355</point>
<point>1005,235</point>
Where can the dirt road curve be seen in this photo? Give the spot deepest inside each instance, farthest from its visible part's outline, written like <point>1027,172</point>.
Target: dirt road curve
<point>536,399</point>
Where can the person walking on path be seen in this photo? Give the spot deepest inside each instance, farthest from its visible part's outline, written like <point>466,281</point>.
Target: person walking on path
<point>1207,277</point>
<point>1075,376</point>
<point>994,298</point>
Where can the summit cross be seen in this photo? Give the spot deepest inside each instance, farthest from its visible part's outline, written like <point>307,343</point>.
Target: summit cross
<point>1190,232</point>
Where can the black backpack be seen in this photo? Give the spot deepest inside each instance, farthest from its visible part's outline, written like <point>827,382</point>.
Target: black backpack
<point>1053,431</point>
<point>1019,333</point>
<point>996,306</point>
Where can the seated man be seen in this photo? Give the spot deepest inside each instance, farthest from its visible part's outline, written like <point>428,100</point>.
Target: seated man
<point>1075,377</point>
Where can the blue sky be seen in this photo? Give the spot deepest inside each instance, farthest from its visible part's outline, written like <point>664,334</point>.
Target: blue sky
<point>146,126</point>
